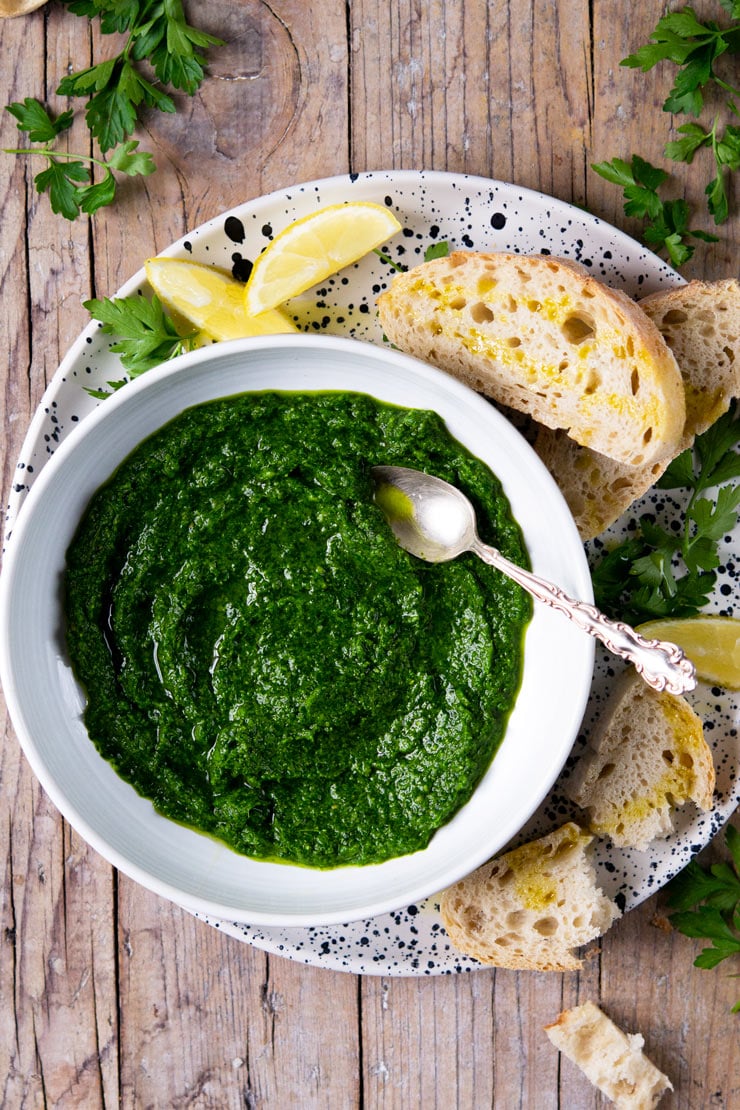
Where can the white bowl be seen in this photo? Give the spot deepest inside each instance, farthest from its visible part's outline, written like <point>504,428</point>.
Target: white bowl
<point>196,871</point>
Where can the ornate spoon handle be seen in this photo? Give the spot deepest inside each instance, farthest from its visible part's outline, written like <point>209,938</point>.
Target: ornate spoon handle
<point>663,665</point>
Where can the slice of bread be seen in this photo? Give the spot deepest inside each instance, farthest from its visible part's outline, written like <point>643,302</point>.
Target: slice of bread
<point>647,756</point>
<point>612,1060</point>
<point>700,322</point>
<point>528,909</point>
<point>597,490</point>
<point>540,335</point>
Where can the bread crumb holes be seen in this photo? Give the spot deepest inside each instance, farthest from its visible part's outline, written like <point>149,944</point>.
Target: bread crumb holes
<point>576,329</point>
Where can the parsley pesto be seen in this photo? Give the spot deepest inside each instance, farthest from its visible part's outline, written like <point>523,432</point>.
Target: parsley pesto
<point>260,657</point>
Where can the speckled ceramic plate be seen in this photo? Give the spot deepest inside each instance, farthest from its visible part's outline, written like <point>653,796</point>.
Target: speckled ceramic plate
<point>470,213</point>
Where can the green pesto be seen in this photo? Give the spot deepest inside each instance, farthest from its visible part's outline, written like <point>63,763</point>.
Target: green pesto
<point>262,660</point>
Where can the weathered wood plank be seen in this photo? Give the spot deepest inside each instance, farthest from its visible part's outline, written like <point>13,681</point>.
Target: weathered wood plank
<point>209,1022</point>
<point>423,1042</point>
<point>58,970</point>
<point>475,88</point>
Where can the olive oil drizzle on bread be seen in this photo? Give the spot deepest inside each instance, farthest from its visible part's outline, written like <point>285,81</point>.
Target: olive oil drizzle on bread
<point>540,335</point>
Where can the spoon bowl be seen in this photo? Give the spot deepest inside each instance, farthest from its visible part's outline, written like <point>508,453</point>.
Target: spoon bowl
<point>430,518</point>
<point>436,522</point>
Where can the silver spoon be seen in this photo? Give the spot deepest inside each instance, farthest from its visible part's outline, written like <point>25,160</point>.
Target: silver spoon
<point>435,521</point>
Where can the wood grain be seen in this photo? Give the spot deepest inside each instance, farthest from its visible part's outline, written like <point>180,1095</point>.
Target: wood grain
<point>117,997</point>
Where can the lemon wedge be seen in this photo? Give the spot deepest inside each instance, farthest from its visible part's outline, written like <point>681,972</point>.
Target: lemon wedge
<point>210,299</point>
<point>711,643</point>
<point>313,247</point>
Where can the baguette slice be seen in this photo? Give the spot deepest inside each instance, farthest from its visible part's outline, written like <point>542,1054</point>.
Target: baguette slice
<point>596,489</point>
<point>528,909</point>
<point>540,335</point>
<point>700,322</point>
<point>647,756</point>
<point>612,1060</point>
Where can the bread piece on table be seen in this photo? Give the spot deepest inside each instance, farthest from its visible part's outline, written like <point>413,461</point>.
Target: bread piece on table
<point>540,335</point>
<point>700,322</point>
<point>648,755</point>
<point>612,1060</point>
<point>528,909</point>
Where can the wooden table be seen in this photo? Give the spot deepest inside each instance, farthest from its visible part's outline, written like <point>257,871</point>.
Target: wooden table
<point>110,995</point>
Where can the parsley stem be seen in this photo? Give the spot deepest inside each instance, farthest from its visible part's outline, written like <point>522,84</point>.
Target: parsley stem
<point>390,262</point>
<point>47,152</point>
<point>726,86</point>
<point>687,541</point>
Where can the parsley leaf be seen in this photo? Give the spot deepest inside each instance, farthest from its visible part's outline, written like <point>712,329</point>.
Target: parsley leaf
<point>707,902</point>
<point>128,159</point>
<point>661,573</point>
<point>680,37</point>
<point>684,149</point>
<point>668,226</point>
<point>67,176</point>
<point>146,335</point>
<point>437,250</point>
<point>117,91</point>
<point>34,119</point>
<point>62,182</point>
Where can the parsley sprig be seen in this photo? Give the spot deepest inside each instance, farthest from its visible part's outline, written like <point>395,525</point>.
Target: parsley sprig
<point>146,335</point>
<point>667,221</point>
<point>707,902</point>
<point>693,47</point>
<point>116,90</point>
<point>725,147</point>
<point>67,177</point>
<point>680,37</point>
<point>661,572</point>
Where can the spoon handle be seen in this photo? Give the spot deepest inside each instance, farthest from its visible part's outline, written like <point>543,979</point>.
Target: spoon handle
<point>663,665</point>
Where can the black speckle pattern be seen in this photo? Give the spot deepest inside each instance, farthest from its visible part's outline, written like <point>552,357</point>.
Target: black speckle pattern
<point>241,268</point>
<point>234,229</point>
<point>472,213</point>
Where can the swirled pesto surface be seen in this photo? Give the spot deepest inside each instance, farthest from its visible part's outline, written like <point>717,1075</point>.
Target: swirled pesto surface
<point>260,657</point>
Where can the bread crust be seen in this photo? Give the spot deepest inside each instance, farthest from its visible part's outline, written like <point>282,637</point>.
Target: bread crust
<point>540,335</point>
